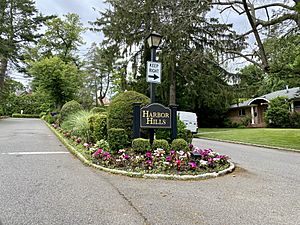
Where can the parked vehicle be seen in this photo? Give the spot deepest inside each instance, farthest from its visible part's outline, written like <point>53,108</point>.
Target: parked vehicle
<point>189,119</point>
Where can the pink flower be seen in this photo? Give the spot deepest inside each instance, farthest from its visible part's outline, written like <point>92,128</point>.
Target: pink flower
<point>86,145</point>
<point>172,152</point>
<point>97,153</point>
<point>178,162</point>
<point>193,165</point>
<point>125,156</point>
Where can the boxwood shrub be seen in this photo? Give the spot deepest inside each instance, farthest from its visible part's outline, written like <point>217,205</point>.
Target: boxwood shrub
<point>117,138</point>
<point>19,115</point>
<point>69,108</point>
<point>98,126</point>
<point>120,110</point>
<point>179,144</point>
<point>98,110</point>
<point>160,143</point>
<point>140,145</point>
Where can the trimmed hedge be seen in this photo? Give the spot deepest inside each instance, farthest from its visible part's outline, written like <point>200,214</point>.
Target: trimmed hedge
<point>120,111</point>
<point>140,145</point>
<point>179,144</point>
<point>98,126</point>
<point>69,108</point>
<point>19,115</point>
<point>98,110</point>
<point>160,143</point>
<point>117,138</point>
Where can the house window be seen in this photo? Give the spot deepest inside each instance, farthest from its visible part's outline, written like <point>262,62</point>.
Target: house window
<point>297,104</point>
<point>242,112</point>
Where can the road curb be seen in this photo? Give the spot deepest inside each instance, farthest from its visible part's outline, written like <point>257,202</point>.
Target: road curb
<point>249,144</point>
<point>139,175</point>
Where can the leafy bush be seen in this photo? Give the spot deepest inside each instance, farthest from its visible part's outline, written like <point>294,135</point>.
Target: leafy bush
<point>18,115</point>
<point>78,124</point>
<point>117,139</point>
<point>98,126</point>
<point>48,118</point>
<point>278,114</point>
<point>295,119</point>
<point>120,111</point>
<point>181,132</point>
<point>69,108</point>
<point>98,110</point>
<point>103,144</point>
<point>160,143</point>
<point>179,144</point>
<point>140,145</point>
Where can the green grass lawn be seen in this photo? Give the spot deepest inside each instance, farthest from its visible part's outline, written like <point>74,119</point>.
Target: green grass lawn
<point>285,138</point>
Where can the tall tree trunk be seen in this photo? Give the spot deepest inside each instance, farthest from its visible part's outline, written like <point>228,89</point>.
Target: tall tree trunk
<point>3,68</point>
<point>172,62</point>
<point>251,18</point>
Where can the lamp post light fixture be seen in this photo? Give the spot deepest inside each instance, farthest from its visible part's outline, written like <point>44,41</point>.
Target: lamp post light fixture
<point>154,40</point>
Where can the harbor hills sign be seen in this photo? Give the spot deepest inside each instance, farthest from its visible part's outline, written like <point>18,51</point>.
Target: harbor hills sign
<point>155,116</point>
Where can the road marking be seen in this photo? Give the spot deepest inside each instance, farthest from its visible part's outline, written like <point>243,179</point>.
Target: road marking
<point>33,153</point>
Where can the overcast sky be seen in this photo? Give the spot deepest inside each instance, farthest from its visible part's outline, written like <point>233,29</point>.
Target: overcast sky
<point>84,8</point>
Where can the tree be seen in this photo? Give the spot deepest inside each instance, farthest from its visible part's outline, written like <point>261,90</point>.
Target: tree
<point>281,19</point>
<point>183,25</point>
<point>62,38</point>
<point>19,21</point>
<point>99,67</point>
<point>58,79</point>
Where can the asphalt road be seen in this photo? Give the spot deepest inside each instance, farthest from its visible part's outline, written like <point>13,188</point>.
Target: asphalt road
<point>50,186</point>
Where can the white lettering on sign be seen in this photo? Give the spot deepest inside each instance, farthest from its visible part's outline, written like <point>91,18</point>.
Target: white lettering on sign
<point>153,72</point>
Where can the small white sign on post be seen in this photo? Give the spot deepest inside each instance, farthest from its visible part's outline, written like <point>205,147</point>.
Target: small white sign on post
<point>154,72</point>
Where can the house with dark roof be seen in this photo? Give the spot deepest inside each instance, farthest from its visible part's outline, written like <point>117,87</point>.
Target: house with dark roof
<point>254,108</point>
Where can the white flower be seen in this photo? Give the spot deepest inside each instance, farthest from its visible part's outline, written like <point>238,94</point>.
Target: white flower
<point>203,162</point>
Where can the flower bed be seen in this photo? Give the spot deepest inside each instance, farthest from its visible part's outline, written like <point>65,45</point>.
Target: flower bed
<point>195,161</point>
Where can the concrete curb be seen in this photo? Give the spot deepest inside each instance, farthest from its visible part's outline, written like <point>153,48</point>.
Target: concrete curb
<point>135,174</point>
<point>249,144</point>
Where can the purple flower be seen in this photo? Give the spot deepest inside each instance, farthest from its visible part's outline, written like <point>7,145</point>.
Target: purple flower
<point>172,152</point>
<point>169,158</point>
<point>191,146</point>
<point>193,165</point>
<point>149,155</point>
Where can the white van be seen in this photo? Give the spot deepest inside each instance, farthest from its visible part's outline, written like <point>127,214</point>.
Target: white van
<point>189,119</point>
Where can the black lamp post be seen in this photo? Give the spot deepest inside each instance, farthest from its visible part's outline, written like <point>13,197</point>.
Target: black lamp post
<point>154,40</point>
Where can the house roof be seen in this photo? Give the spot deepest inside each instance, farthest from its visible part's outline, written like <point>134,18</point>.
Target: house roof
<point>290,93</point>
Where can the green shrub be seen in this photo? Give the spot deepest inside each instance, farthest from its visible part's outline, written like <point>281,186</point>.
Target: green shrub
<point>98,126</point>
<point>19,115</point>
<point>179,144</point>
<point>103,144</point>
<point>48,118</point>
<point>78,124</point>
<point>117,139</point>
<point>295,118</point>
<point>98,110</point>
<point>278,114</point>
<point>166,133</point>
<point>120,111</point>
<point>160,143</point>
<point>69,108</point>
<point>140,145</point>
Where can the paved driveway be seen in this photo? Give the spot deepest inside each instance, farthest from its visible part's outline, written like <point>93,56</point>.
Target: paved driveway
<point>47,185</point>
